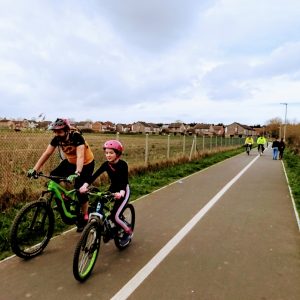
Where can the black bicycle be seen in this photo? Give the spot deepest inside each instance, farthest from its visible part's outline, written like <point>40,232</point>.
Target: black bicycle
<point>248,148</point>
<point>100,225</point>
<point>260,149</point>
<point>33,226</point>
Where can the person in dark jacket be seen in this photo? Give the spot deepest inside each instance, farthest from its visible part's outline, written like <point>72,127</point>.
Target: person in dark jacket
<point>275,146</point>
<point>281,148</point>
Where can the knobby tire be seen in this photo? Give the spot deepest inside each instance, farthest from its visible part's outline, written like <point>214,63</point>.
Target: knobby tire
<point>32,229</point>
<point>86,251</point>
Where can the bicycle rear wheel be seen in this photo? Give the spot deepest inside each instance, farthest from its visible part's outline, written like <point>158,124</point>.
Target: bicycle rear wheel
<point>86,251</point>
<point>248,150</point>
<point>128,216</point>
<point>32,229</point>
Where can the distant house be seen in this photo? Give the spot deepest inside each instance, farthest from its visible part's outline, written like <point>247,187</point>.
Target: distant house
<point>202,129</point>
<point>123,128</point>
<point>97,126</point>
<point>155,128</point>
<point>8,124</point>
<point>84,125</point>
<point>141,127</point>
<point>238,130</point>
<point>177,128</point>
<point>103,126</point>
<point>217,130</point>
<point>108,126</point>
<point>43,124</point>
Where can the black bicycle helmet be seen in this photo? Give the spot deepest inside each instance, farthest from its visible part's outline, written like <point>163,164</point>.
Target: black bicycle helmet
<point>59,124</point>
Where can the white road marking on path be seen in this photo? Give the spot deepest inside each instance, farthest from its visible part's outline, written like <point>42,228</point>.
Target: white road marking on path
<point>140,276</point>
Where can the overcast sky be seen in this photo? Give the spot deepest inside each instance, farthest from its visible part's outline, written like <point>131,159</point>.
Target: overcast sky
<point>158,61</point>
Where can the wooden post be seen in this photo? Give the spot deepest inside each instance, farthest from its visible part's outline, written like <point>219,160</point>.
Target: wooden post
<point>146,149</point>
<point>168,148</point>
<point>192,148</point>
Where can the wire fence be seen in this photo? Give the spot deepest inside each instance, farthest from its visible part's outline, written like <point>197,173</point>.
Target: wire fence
<point>19,151</point>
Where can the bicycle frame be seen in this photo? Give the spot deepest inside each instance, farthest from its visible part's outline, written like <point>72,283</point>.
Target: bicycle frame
<point>58,192</point>
<point>105,199</point>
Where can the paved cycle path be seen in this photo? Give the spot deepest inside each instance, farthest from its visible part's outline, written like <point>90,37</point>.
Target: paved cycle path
<point>246,246</point>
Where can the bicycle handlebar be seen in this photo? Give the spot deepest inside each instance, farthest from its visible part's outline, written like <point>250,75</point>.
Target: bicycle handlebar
<point>106,194</point>
<point>60,178</point>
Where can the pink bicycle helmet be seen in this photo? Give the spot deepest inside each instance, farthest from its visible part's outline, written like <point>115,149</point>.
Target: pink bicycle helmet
<point>60,124</point>
<point>115,145</point>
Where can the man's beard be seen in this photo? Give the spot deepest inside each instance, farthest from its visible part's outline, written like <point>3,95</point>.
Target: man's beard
<point>62,138</point>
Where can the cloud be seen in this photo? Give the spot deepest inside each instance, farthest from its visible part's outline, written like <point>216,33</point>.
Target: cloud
<point>155,60</point>
<point>153,25</point>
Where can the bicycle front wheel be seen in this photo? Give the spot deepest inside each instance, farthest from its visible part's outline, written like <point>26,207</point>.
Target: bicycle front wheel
<point>86,251</point>
<point>32,229</point>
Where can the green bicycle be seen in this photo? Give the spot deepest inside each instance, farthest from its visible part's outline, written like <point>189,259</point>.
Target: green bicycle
<point>99,225</point>
<point>33,226</point>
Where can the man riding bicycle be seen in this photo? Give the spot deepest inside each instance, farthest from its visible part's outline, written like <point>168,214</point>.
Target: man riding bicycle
<point>78,163</point>
<point>249,141</point>
<point>261,141</point>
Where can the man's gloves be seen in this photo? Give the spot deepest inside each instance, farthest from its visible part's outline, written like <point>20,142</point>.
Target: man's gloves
<point>72,177</point>
<point>32,173</point>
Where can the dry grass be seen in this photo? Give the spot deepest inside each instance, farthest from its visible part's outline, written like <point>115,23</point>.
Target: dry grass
<point>19,152</point>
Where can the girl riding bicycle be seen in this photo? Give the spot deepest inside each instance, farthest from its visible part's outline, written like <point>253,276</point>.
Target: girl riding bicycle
<point>117,170</point>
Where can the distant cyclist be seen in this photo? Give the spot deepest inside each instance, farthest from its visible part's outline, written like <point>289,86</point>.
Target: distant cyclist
<point>261,141</point>
<point>117,170</point>
<point>78,164</point>
<point>249,141</point>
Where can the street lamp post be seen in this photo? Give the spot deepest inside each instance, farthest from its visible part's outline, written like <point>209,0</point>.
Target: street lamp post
<point>284,129</point>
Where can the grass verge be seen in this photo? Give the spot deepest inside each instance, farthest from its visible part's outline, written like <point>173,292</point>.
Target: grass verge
<point>292,166</point>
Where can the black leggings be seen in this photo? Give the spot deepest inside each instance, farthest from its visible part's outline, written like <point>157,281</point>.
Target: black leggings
<point>66,169</point>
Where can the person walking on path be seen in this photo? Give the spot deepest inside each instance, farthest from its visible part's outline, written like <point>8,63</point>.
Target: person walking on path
<point>281,148</point>
<point>275,146</point>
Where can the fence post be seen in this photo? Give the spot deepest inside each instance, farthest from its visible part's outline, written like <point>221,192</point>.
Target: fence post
<point>117,136</point>
<point>192,148</point>
<point>168,148</point>
<point>216,141</point>
<point>146,149</point>
<point>183,145</point>
<point>210,144</point>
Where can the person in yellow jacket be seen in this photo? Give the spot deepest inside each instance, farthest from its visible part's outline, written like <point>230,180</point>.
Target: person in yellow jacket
<point>261,141</point>
<point>249,141</point>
